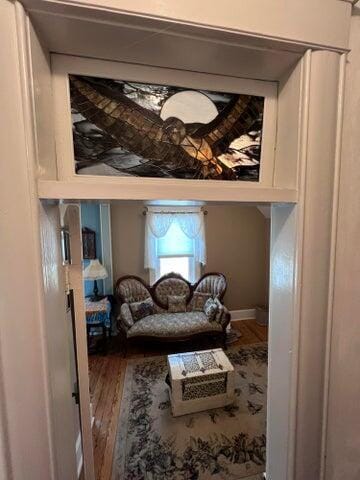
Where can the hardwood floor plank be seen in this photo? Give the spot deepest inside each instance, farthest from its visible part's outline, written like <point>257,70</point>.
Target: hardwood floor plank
<point>258,330</point>
<point>97,393</point>
<point>108,411</point>
<point>105,473</point>
<point>102,415</point>
<point>95,366</point>
<point>247,336</point>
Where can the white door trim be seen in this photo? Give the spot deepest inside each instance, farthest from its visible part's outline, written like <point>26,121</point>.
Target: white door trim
<point>72,221</point>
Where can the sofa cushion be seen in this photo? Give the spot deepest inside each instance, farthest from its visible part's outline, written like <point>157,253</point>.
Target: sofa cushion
<point>173,325</point>
<point>170,286</point>
<point>142,309</point>
<point>176,303</point>
<point>198,301</point>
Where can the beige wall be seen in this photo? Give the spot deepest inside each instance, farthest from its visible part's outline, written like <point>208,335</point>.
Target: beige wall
<point>237,245</point>
<point>127,236</point>
<point>236,238</point>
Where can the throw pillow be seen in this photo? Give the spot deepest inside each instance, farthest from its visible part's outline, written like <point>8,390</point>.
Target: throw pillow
<point>142,309</point>
<point>198,301</point>
<point>176,303</point>
<point>210,309</point>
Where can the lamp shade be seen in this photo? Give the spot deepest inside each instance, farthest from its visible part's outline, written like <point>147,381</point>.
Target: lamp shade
<point>95,271</point>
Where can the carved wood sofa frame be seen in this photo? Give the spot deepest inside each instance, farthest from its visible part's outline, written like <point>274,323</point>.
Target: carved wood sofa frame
<point>152,290</point>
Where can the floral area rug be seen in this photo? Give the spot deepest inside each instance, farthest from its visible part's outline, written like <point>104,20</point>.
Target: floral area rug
<point>226,443</point>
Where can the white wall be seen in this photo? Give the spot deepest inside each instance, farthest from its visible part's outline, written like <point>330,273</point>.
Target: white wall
<point>22,337</point>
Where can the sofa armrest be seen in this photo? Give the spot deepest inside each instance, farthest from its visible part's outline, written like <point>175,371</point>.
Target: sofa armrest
<point>125,318</point>
<point>223,315</point>
<point>226,317</point>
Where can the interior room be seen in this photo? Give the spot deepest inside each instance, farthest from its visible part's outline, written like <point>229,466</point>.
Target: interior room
<point>183,252</point>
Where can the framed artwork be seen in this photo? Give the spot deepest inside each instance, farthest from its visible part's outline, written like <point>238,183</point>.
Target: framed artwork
<point>126,128</point>
<point>89,243</point>
<point>145,132</point>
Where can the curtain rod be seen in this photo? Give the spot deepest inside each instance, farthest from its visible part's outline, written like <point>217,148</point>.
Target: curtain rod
<point>145,211</point>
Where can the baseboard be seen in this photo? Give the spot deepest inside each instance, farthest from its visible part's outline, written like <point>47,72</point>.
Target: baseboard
<point>245,314</point>
<point>79,455</point>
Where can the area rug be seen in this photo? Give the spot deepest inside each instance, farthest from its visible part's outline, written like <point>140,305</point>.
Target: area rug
<point>226,443</point>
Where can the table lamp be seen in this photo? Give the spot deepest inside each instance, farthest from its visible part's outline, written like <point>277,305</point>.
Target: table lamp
<point>95,271</point>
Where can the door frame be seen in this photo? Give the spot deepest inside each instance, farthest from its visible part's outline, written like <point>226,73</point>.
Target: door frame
<point>71,216</point>
<point>285,255</point>
<point>294,252</point>
<point>20,203</point>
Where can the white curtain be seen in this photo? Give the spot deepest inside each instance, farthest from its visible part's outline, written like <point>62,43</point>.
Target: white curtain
<point>158,223</point>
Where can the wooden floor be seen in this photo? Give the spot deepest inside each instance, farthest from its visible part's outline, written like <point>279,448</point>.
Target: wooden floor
<point>106,382</point>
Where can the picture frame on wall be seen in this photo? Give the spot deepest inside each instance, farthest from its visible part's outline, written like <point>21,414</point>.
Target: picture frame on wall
<point>88,243</point>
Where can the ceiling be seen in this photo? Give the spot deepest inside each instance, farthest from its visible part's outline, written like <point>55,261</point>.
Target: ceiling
<point>165,44</point>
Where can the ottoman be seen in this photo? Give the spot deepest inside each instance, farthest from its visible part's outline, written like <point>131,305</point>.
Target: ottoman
<point>200,381</point>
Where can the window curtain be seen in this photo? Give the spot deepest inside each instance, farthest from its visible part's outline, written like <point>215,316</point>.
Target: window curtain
<point>158,223</point>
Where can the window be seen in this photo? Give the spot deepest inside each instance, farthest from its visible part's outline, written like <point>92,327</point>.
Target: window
<point>175,264</point>
<point>175,242</point>
<point>175,253</point>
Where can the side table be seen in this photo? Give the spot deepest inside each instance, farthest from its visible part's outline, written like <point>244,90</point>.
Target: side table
<point>98,316</point>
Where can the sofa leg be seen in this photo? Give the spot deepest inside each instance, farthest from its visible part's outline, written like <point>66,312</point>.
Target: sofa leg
<point>122,344</point>
<point>224,341</point>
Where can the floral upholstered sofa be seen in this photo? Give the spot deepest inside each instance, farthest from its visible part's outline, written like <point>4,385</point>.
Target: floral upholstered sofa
<point>172,309</point>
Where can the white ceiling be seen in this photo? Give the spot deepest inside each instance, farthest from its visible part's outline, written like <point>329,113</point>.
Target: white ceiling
<point>164,44</point>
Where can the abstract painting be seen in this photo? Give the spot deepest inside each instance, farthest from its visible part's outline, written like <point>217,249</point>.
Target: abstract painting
<point>135,129</point>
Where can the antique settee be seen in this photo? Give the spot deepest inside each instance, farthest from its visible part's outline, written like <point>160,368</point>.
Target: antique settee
<point>172,309</point>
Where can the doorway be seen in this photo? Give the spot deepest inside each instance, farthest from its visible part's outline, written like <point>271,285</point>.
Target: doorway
<point>282,274</point>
